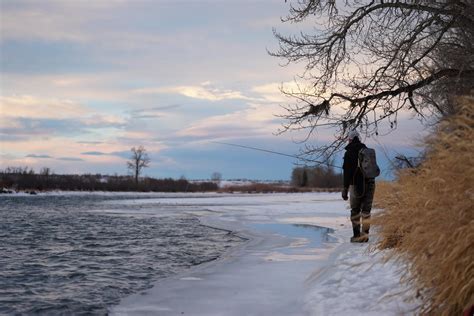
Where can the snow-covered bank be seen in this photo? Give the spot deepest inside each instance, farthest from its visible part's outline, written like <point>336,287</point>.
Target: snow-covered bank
<point>277,272</point>
<point>359,283</point>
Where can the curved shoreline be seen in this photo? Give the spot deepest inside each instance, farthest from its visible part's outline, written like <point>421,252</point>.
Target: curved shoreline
<point>246,273</point>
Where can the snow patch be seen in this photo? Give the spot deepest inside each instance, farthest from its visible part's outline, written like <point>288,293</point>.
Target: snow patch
<point>279,272</point>
<point>359,283</point>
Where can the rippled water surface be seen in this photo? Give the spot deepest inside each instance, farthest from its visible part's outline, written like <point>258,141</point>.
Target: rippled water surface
<point>81,254</point>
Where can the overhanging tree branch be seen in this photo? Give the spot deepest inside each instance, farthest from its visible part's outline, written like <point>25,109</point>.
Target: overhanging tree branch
<point>376,57</point>
<point>363,101</point>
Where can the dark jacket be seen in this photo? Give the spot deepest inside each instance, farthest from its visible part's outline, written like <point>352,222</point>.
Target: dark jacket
<point>352,173</point>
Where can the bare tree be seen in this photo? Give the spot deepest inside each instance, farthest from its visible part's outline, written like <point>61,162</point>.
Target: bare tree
<point>216,177</point>
<point>138,160</point>
<point>45,171</point>
<point>367,60</point>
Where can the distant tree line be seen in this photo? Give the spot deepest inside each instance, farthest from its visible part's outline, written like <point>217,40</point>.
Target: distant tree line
<point>24,178</point>
<point>316,177</point>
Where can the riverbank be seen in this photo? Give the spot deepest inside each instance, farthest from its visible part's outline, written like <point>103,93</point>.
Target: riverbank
<point>281,269</point>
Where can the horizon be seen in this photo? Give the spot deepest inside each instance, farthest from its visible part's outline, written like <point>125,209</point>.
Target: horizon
<point>82,83</point>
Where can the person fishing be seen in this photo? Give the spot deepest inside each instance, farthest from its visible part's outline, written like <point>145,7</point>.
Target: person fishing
<point>360,184</point>
<point>360,170</point>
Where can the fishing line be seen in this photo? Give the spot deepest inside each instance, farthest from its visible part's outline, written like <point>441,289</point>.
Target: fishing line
<point>278,153</point>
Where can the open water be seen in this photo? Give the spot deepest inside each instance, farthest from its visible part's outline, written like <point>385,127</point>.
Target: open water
<point>79,254</point>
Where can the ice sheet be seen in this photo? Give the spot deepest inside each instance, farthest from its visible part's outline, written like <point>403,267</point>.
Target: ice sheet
<point>278,271</point>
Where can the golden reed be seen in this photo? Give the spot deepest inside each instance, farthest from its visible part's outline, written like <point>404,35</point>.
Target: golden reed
<point>428,217</point>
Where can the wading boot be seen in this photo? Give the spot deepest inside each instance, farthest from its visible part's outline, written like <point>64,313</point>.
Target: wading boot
<point>356,231</point>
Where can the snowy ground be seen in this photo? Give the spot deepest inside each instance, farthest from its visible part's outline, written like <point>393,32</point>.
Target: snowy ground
<point>282,269</point>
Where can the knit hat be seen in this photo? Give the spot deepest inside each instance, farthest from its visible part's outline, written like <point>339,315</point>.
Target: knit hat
<point>353,134</point>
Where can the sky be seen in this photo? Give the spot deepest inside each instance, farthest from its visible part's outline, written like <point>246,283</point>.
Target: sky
<point>82,82</point>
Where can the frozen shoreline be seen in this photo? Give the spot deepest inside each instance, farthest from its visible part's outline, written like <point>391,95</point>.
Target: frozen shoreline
<point>274,273</point>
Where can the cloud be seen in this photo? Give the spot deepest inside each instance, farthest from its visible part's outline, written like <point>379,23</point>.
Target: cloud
<point>33,107</point>
<point>70,159</point>
<point>121,154</point>
<point>257,119</point>
<point>54,20</point>
<point>94,153</point>
<point>6,136</point>
<point>205,91</point>
<point>16,111</point>
<point>164,107</point>
<point>47,128</point>
<point>41,26</point>
<point>27,117</point>
<point>135,136</point>
<point>103,120</point>
<point>89,142</point>
<point>38,156</point>
<point>153,112</point>
<point>55,146</point>
<point>272,91</point>
<point>50,157</point>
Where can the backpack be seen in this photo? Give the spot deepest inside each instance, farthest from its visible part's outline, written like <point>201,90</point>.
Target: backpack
<point>368,163</point>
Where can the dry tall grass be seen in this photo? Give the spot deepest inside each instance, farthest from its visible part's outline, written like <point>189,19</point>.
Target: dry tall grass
<point>429,218</point>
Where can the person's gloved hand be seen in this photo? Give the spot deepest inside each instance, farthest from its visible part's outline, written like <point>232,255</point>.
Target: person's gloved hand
<point>345,195</point>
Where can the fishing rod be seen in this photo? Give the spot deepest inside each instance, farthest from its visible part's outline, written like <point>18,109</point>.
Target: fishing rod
<point>278,153</point>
